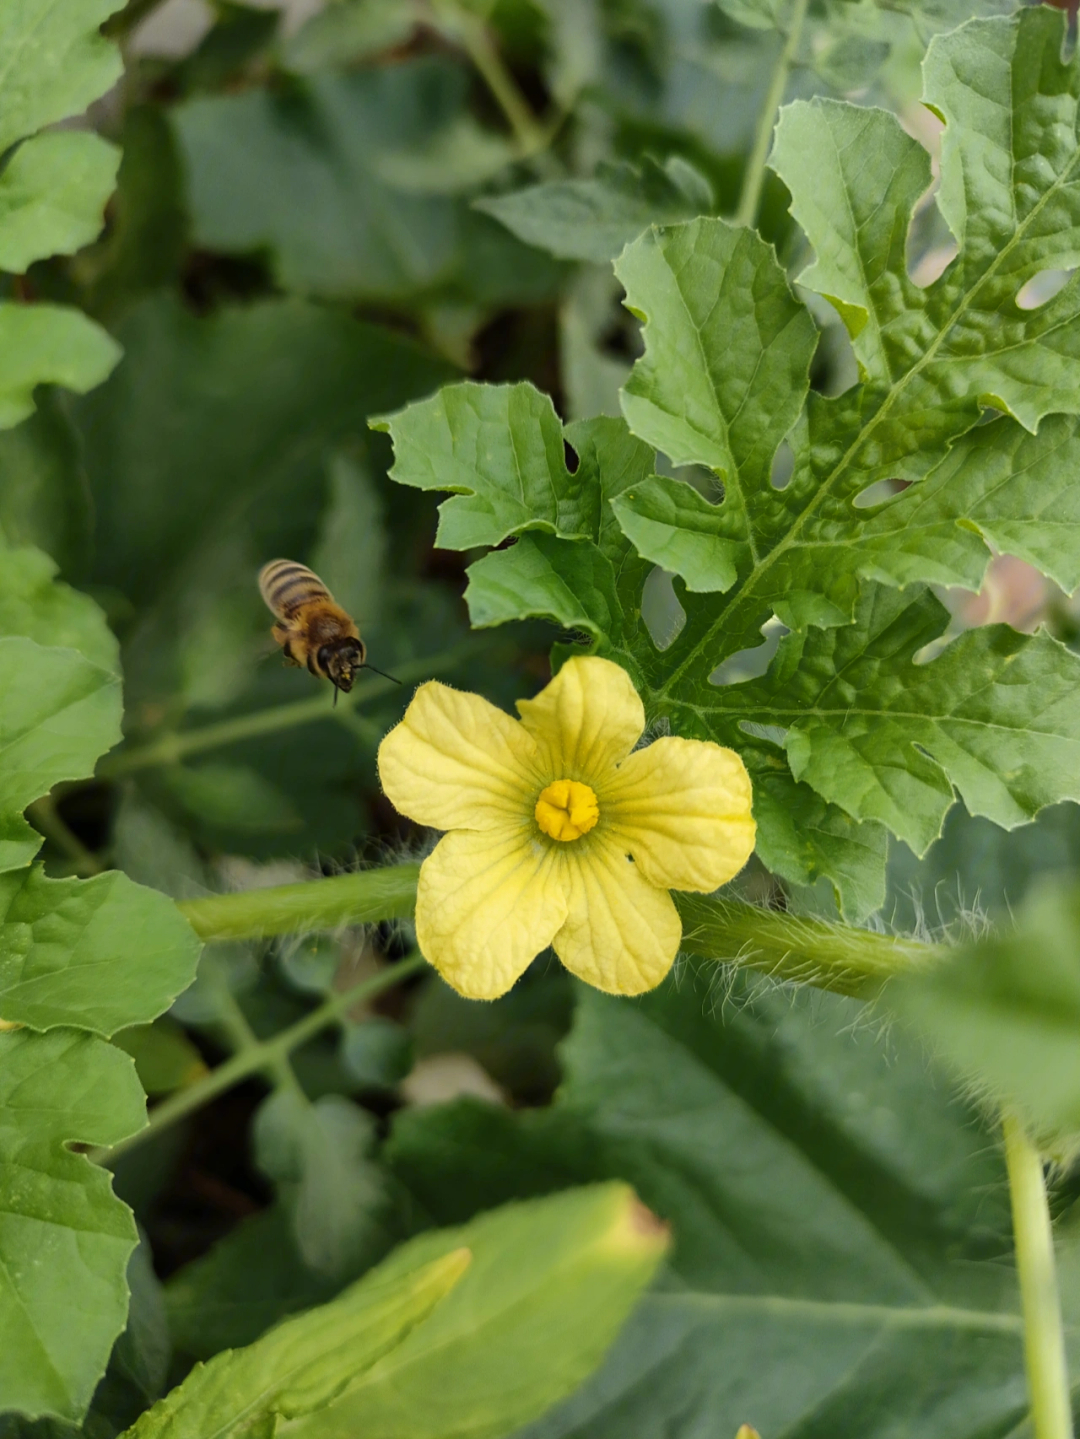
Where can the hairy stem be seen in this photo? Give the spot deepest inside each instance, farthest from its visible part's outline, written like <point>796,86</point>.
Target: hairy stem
<point>754,177</point>
<point>795,949</point>
<point>264,1055</point>
<point>171,748</point>
<point>316,904</point>
<point>1044,1336</point>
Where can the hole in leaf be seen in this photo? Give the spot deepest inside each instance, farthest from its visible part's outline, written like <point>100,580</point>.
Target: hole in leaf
<point>878,493</point>
<point>751,664</point>
<point>1042,288</point>
<point>783,467</point>
<point>930,652</point>
<point>931,246</point>
<point>664,616</point>
<point>933,263</point>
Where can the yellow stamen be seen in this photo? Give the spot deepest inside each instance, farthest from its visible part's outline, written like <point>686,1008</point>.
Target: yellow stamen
<point>567,809</point>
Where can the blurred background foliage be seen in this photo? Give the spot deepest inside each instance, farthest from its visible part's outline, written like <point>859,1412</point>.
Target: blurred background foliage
<point>323,212</point>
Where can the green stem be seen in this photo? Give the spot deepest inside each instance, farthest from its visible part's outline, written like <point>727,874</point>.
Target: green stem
<point>476,41</point>
<point>261,1056</point>
<point>317,904</point>
<point>754,178</point>
<point>795,949</point>
<point>242,1039</point>
<point>171,748</point>
<point>1044,1336</point>
<point>45,818</point>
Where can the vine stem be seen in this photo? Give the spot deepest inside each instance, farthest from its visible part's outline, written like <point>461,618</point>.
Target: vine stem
<point>172,748</point>
<point>754,178</point>
<point>317,904</point>
<point>476,41</point>
<point>1044,1336</point>
<point>266,1056</point>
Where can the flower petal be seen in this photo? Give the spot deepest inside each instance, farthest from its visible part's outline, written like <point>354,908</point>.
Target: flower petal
<point>587,719</point>
<point>681,807</point>
<point>486,905</point>
<point>456,761</point>
<point>622,933</point>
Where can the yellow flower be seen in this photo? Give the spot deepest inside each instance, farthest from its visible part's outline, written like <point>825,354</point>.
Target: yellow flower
<point>558,834</point>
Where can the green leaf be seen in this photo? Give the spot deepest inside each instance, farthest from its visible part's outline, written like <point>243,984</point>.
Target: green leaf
<point>499,450</point>
<point>594,219</point>
<point>248,1281</point>
<point>302,1365</point>
<point>888,739</point>
<point>243,408</point>
<point>838,1214</point>
<point>43,493</point>
<point>54,61</point>
<point>318,1156</point>
<point>97,954</point>
<point>165,1058</point>
<point>1005,1013</point>
<point>64,1238</point>
<point>58,713</point>
<point>45,344</point>
<point>33,603</point>
<point>52,196</point>
<point>330,179</point>
<point>550,1285</point>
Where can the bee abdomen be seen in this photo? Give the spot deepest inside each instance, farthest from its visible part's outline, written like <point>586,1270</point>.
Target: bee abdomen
<point>287,586</point>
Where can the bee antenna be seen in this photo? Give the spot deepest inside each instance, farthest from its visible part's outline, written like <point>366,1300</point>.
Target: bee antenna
<point>381,672</point>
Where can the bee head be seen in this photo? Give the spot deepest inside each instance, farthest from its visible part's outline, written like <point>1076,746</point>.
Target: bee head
<point>340,660</point>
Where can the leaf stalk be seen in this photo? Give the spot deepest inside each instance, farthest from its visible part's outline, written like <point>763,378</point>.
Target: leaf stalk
<point>1044,1335</point>
<point>180,745</point>
<point>264,1056</point>
<point>754,176</point>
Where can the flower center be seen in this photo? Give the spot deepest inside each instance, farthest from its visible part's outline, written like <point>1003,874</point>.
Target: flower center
<point>566,809</point>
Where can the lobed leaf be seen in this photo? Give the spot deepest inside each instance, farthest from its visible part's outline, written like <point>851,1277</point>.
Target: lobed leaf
<point>46,344</point>
<point>98,954</point>
<point>52,196</point>
<point>994,717</point>
<point>54,61</point>
<point>64,1239</point>
<point>38,606</point>
<point>594,219</point>
<point>58,713</point>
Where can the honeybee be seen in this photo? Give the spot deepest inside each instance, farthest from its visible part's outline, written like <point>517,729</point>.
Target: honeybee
<point>312,629</point>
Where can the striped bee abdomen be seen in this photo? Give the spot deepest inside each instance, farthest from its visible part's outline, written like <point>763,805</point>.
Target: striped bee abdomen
<point>287,587</point>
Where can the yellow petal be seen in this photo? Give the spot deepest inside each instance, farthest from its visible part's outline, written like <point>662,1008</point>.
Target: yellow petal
<point>621,933</point>
<point>681,807</point>
<point>587,719</point>
<point>486,905</point>
<point>457,762</point>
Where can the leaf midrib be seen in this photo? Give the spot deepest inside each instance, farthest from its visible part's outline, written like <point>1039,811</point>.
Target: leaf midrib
<point>896,390</point>
<point>781,1306</point>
